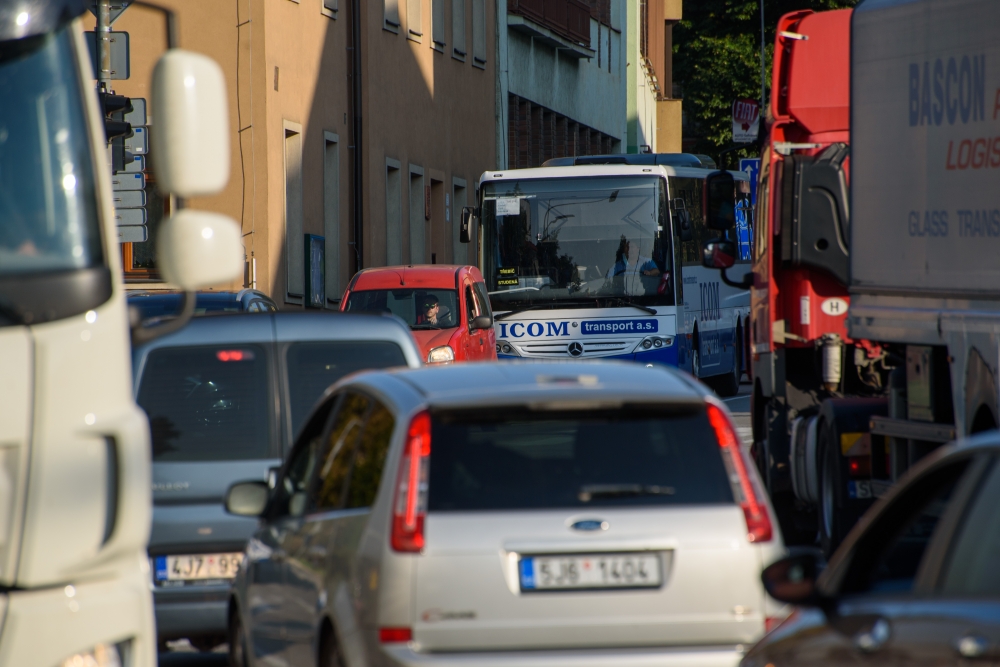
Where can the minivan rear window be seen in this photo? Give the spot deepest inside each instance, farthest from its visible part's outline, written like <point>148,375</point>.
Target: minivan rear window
<point>314,366</point>
<point>526,460</point>
<point>207,403</point>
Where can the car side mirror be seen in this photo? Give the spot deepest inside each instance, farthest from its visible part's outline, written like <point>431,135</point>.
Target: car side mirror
<point>482,322</point>
<point>465,228</point>
<point>793,579</point>
<point>718,254</point>
<point>247,498</point>
<point>720,201</point>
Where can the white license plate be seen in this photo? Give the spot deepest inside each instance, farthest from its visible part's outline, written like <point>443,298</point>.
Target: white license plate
<point>638,570</point>
<point>196,567</point>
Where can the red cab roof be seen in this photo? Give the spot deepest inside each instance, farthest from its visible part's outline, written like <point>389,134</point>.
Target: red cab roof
<point>439,276</point>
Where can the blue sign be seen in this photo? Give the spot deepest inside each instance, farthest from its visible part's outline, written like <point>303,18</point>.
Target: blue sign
<point>592,327</point>
<point>751,165</point>
<point>527,573</point>
<point>745,209</point>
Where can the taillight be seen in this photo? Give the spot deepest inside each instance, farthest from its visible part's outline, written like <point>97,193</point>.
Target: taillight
<point>859,466</point>
<point>410,506</point>
<point>750,496</point>
<point>771,622</point>
<point>390,635</point>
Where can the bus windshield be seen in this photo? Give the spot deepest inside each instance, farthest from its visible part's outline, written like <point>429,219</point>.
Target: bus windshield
<point>601,241</point>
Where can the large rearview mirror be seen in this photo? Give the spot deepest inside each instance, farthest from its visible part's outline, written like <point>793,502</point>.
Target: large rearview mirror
<point>199,249</point>
<point>190,148</point>
<point>720,201</point>
<point>718,254</point>
<point>684,229</point>
<point>465,230</point>
<point>482,322</point>
<point>247,498</point>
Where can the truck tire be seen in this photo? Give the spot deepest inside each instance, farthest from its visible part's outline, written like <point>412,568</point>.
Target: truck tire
<point>830,514</point>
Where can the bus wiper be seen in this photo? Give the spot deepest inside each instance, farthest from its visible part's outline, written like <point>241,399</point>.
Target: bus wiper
<point>625,302</point>
<point>536,306</point>
<point>591,491</point>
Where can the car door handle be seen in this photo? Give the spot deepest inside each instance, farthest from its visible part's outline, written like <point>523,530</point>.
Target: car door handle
<point>972,646</point>
<point>874,638</point>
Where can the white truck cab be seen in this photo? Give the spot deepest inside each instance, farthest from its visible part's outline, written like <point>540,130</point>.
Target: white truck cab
<point>74,447</point>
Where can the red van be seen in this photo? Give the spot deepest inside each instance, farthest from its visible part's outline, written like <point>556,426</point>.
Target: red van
<point>446,307</point>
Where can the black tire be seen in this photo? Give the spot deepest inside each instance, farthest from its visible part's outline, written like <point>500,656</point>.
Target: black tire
<point>830,513</point>
<point>695,356</point>
<point>329,649</point>
<point>729,384</point>
<point>237,640</point>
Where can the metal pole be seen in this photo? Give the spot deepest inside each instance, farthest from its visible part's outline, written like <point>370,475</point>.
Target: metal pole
<point>102,37</point>
<point>762,72</point>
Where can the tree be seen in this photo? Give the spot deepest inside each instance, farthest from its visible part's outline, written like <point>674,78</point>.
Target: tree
<point>717,59</point>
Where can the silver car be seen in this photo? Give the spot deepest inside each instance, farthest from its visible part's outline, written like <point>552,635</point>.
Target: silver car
<point>225,396</point>
<point>515,514</point>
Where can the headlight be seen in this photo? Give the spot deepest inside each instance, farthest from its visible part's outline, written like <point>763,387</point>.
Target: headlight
<point>101,655</point>
<point>506,348</point>
<point>441,355</point>
<point>646,344</point>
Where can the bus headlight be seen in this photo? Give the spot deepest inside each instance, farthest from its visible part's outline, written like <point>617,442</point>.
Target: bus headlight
<point>441,355</point>
<point>503,347</point>
<point>646,344</point>
<point>654,342</point>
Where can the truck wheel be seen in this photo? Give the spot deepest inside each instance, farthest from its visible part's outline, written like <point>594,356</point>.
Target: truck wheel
<point>695,365</point>
<point>831,502</point>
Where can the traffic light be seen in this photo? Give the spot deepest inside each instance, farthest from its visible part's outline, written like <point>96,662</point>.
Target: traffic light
<point>114,108</point>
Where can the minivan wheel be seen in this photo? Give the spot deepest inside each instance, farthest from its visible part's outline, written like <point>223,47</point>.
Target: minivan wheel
<point>329,649</point>
<point>237,641</point>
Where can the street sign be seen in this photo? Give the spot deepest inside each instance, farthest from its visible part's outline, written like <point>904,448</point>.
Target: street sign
<point>129,198</point>
<point>138,143</point>
<point>751,165</point>
<point>133,234</point>
<point>137,164</point>
<point>130,217</point>
<point>137,116</point>
<point>125,181</point>
<point>119,53</point>
<point>746,121</point>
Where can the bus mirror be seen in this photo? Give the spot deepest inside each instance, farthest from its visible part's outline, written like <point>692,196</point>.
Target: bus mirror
<point>465,229</point>
<point>684,229</point>
<point>720,201</point>
<point>718,254</point>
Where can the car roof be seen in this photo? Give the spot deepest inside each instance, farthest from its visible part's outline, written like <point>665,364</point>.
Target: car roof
<point>572,384</point>
<point>417,275</point>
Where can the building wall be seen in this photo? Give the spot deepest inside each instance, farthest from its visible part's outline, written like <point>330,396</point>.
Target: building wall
<point>642,94</point>
<point>588,91</point>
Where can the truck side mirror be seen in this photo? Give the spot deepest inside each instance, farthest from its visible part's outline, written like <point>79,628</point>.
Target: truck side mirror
<point>720,201</point>
<point>718,254</point>
<point>465,228</point>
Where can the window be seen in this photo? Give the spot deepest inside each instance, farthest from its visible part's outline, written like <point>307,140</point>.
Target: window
<point>519,459</point>
<point>338,454</point>
<point>291,492</point>
<point>312,367</point>
<point>294,245</point>
<point>369,461</point>
<point>331,213</point>
<point>207,403</point>
<point>390,15</point>
<point>483,298</point>
<point>479,33</point>
<point>471,308</point>
<point>437,24</point>
<point>417,220</point>
<point>971,569</point>
<point>414,19</point>
<point>458,29</point>
<point>459,201</point>
<point>688,191</point>
<point>410,305</point>
<point>393,224</point>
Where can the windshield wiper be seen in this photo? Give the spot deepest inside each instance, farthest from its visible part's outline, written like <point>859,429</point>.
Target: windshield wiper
<point>536,306</point>
<point>625,302</point>
<point>591,491</point>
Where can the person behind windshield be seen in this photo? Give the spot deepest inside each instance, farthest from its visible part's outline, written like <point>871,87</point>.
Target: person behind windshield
<point>430,312</point>
<point>629,261</point>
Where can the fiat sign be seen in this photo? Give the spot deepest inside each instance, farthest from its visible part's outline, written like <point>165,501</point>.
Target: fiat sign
<point>746,121</point>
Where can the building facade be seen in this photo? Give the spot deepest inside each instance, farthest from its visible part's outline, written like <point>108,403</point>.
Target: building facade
<point>654,115</point>
<point>358,131</point>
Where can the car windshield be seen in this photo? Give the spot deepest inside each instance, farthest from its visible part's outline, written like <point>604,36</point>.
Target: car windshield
<point>167,305</point>
<point>512,459</point>
<point>314,366</point>
<point>48,210</point>
<point>577,240</point>
<point>420,308</point>
<point>207,403</point>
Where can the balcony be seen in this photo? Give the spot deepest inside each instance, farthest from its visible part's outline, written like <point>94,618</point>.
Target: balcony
<point>564,23</point>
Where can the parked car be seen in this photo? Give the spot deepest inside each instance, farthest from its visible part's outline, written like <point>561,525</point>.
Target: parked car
<point>225,397</point>
<point>156,304</point>
<point>576,513</point>
<point>916,582</point>
<point>446,307</point>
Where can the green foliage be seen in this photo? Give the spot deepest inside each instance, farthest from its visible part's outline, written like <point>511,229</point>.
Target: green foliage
<point>717,59</point>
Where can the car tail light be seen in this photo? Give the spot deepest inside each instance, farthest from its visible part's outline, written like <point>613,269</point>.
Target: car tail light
<point>390,635</point>
<point>410,506</point>
<point>750,495</point>
<point>859,466</point>
<point>771,622</point>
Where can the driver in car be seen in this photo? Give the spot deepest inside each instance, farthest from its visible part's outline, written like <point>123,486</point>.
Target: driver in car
<point>431,312</point>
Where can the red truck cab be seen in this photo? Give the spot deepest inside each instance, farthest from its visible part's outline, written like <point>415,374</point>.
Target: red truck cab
<point>446,307</point>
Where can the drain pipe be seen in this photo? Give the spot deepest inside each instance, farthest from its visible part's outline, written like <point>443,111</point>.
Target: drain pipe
<point>356,131</point>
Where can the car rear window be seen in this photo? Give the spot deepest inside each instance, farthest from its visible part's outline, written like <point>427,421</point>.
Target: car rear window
<point>314,366</point>
<point>525,460</point>
<point>207,403</point>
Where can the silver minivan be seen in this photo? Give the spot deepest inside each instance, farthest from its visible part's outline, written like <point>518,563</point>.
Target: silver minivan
<point>224,397</point>
<point>507,514</point>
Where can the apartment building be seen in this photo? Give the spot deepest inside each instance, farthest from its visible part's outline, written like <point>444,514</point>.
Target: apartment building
<point>358,131</point>
<point>654,114</point>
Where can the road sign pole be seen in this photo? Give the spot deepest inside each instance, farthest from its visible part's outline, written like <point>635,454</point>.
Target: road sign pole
<point>103,39</point>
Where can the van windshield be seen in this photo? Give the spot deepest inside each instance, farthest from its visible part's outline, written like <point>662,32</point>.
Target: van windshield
<point>420,308</point>
<point>485,460</point>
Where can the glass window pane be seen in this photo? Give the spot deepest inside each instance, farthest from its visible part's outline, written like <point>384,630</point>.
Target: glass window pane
<point>416,307</point>
<point>369,462</point>
<point>207,403</point>
<point>338,456</point>
<point>973,567</point>
<point>314,366</point>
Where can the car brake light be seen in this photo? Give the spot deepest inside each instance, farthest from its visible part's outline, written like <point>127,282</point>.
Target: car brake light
<point>771,622</point>
<point>410,506</point>
<point>750,496</point>
<point>234,355</point>
<point>390,635</point>
<point>859,466</point>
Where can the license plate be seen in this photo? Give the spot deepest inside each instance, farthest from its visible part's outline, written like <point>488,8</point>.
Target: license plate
<point>589,571</point>
<point>197,567</point>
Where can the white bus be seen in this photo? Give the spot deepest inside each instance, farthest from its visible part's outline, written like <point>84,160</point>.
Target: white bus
<point>605,262</point>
